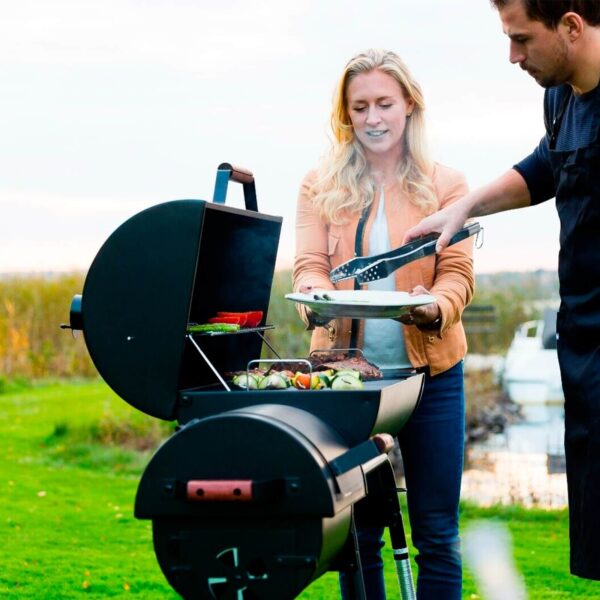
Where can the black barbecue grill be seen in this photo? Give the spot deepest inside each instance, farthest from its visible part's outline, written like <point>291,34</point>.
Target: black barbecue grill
<point>258,492</point>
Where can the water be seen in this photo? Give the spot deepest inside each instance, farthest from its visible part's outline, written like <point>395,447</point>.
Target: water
<point>524,465</point>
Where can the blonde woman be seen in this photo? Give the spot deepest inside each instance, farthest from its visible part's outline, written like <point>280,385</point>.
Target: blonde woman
<point>376,182</point>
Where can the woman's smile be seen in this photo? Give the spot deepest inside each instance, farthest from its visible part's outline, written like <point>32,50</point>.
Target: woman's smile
<point>377,133</point>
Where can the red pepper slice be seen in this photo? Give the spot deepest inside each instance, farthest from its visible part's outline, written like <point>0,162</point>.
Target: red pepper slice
<point>239,315</point>
<point>254,318</point>
<point>251,318</point>
<point>223,319</point>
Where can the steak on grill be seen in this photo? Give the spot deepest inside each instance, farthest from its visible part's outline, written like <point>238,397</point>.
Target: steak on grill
<point>341,361</point>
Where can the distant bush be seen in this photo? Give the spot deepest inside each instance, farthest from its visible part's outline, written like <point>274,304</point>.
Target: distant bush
<point>510,309</point>
<point>32,345</point>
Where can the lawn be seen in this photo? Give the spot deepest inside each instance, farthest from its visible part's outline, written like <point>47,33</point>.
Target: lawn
<point>68,476</point>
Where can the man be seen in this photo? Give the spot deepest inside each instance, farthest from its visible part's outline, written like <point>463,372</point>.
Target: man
<point>558,43</point>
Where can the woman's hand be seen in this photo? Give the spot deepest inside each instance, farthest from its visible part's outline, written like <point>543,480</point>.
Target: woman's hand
<point>423,317</point>
<point>310,315</point>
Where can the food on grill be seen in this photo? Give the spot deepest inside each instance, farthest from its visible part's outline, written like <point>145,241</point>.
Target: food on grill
<point>237,319</point>
<point>280,380</point>
<point>228,322</point>
<point>308,381</point>
<point>251,318</point>
<point>274,381</point>
<point>348,372</point>
<point>210,327</point>
<point>254,318</point>
<point>347,381</point>
<point>326,376</point>
<point>341,361</point>
<point>246,380</point>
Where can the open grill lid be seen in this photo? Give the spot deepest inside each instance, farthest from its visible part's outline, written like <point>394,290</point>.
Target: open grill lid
<point>171,264</point>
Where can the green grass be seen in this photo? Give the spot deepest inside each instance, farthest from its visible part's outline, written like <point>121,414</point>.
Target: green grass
<point>69,470</point>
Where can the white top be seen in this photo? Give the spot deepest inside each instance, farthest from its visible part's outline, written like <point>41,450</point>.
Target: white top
<point>384,338</point>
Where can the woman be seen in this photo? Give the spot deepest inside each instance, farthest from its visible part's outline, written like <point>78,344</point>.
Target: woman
<point>375,183</point>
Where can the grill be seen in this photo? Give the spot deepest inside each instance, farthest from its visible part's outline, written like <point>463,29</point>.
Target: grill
<point>258,492</point>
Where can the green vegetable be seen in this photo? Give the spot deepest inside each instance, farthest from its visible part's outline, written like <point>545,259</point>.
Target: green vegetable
<point>210,327</point>
<point>246,380</point>
<point>326,377</point>
<point>347,382</point>
<point>274,381</point>
<point>350,372</point>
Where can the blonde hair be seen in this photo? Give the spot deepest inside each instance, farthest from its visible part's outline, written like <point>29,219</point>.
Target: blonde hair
<point>343,184</point>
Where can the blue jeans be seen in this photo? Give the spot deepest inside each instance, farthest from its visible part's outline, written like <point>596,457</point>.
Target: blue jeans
<point>432,445</point>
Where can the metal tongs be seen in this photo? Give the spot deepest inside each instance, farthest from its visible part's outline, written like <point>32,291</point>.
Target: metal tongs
<point>371,268</point>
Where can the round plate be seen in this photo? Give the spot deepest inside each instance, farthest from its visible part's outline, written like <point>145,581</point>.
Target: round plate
<point>360,304</point>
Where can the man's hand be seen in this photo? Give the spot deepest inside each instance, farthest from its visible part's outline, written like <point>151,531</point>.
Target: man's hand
<point>446,222</point>
<point>505,193</point>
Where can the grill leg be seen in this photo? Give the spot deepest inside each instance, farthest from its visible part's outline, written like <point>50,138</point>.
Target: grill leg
<point>354,576</point>
<point>400,550</point>
<point>381,507</point>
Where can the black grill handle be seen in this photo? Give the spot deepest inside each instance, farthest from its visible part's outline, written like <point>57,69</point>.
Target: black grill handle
<point>227,172</point>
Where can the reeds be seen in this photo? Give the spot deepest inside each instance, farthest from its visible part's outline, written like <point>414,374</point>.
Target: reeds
<point>32,345</point>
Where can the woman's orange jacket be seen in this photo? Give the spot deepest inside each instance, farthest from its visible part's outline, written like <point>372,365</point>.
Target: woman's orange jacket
<point>448,276</point>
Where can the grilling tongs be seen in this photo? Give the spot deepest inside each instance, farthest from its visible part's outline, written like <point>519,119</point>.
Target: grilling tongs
<point>371,268</point>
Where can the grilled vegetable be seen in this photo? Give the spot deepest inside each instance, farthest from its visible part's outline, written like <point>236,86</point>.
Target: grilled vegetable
<point>245,380</point>
<point>253,318</point>
<point>250,318</point>
<point>350,372</point>
<point>326,377</point>
<point>347,381</point>
<point>306,381</point>
<point>237,320</point>
<point>208,327</point>
<point>274,381</point>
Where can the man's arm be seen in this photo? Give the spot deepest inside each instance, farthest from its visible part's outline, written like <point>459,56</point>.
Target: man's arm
<point>505,193</point>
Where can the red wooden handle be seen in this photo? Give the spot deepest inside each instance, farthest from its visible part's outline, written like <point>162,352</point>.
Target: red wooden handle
<point>220,490</point>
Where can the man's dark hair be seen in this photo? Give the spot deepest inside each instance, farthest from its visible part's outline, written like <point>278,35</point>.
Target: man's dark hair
<point>549,12</point>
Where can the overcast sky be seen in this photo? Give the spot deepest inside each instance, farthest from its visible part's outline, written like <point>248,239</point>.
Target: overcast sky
<point>111,106</point>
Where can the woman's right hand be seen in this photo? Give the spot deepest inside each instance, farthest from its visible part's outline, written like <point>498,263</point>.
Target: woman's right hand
<point>314,319</point>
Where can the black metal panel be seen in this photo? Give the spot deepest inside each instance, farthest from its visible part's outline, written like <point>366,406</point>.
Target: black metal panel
<point>383,407</point>
<point>260,443</point>
<point>235,558</point>
<point>136,301</point>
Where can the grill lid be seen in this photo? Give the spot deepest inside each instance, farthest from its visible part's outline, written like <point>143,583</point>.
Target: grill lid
<point>171,264</point>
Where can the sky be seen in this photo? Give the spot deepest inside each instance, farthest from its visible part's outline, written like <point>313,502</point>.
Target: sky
<point>111,106</point>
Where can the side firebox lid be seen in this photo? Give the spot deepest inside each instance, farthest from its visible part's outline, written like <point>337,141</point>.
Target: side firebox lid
<point>147,283</point>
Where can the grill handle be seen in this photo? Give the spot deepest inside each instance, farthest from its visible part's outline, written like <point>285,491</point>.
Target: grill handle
<point>227,172</point>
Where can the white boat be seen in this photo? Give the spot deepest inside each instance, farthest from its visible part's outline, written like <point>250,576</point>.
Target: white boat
<point>531,374</point>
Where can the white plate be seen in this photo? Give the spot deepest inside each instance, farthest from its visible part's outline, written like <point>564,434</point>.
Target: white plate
<point>361,304</point>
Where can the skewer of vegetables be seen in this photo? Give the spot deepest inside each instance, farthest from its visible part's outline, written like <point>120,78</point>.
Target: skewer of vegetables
<point>280,380</point>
